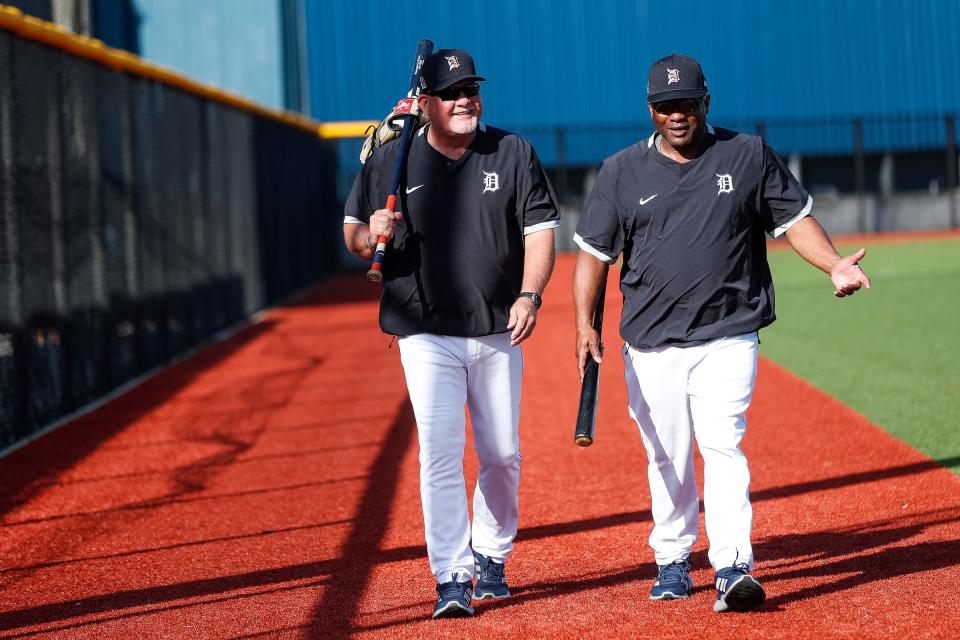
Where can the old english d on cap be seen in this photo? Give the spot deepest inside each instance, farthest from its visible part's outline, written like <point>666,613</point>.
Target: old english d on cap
<point>675,77</point>
<point>446,67</point>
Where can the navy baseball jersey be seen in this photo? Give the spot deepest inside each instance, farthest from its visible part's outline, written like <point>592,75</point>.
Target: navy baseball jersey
<point>455,263</point>
<point>692,236</point>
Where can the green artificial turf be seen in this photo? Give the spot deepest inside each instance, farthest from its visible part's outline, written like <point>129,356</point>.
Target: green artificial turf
<point>893,352</point>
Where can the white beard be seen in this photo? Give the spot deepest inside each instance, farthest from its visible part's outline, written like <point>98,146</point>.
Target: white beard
<point>462,126</point>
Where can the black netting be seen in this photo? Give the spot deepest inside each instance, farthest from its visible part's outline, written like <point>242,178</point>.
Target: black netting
<point>84,365</point>
<point>37,177</point>
<point>10,315</point>
<point>137,221</point>
<point>11,409</point>
<point>9,274</point>
<point>38,190</point>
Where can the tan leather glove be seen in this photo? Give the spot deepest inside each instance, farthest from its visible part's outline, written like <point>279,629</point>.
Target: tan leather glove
<point>391,127</point>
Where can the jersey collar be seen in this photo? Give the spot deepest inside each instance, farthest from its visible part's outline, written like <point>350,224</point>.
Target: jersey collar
<point>447,162</point>
<point>482,127</point>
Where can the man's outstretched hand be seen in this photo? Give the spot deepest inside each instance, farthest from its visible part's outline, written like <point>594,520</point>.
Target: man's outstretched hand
<point>847,276</point>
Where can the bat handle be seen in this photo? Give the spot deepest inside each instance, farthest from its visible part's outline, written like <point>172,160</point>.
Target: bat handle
<point>375,274</point>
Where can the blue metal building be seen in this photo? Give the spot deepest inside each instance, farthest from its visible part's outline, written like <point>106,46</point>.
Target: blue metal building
<point>230,43</point>
<point>819,79</point>
<point>582,65</point>
<point>251,47</point>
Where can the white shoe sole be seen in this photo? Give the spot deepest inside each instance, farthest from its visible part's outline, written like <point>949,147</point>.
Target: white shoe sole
<point>743,595</point>
<point>453,610</point>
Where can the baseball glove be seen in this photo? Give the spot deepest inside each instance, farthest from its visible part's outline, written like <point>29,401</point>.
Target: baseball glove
<point>391,126</point>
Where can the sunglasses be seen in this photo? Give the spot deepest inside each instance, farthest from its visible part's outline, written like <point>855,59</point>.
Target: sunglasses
<point>670,107</point>
<point>453,93</point>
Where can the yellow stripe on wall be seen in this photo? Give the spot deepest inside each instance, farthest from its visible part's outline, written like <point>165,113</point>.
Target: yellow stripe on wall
<point>54,35</point>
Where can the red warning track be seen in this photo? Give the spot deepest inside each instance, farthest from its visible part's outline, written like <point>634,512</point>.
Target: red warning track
<point>267,488</point>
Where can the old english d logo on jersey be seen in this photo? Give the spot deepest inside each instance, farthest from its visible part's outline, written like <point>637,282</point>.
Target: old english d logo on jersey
<point>453,62</point>
<point>432,279</point>
<point>491,181</point>
<point>673,75</point>
<point>715,208</point>
<point>724,183</point>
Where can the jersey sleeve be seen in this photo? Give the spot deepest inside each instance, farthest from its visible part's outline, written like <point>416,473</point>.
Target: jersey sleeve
<point>368,189</point>
<point>536,203</point>
<point>600,230</point>
<point>354,211</point>
<point>782,201</point>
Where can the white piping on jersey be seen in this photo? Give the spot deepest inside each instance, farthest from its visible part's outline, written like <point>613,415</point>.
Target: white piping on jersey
<point>352,220</point>
<point>779,231</point>
<point>542,226</point>
<point>482,127</point>
<point>586,247</point>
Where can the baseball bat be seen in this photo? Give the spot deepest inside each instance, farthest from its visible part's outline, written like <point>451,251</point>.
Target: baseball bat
<point>590,387</point>
<point>424,49</point>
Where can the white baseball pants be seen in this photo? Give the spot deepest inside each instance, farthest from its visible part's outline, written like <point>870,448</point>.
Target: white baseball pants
<point>443,374</point>
<point>677,394</point>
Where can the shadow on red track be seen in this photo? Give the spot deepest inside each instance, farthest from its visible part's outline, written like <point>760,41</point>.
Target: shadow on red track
<point>27,470</point>
<point>346,288</point>
<point>333,616</point>
<point>861,559</point>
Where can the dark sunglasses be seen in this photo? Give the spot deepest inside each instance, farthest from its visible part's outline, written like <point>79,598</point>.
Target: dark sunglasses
<point>453,93</point>
<point>670,107</point>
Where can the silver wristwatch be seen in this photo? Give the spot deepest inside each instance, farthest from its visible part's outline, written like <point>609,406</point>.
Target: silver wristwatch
<point>533,295</point>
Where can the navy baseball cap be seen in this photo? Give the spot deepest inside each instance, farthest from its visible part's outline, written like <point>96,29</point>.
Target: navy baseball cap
<point>446,67</point>
<point>674,77</point>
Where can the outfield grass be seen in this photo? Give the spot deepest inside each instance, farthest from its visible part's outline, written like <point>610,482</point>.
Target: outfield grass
<point>893,352</point>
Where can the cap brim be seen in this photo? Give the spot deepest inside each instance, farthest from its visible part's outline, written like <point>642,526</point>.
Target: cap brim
<point>676,94</point>
<point>452,81</point>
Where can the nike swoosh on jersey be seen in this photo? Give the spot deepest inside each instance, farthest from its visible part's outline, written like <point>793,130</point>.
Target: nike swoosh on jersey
<point>644,201</point>
<point>412,189</point>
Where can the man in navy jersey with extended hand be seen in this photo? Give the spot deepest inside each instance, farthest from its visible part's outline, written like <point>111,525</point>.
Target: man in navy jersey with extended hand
<point>688,209</point>
<point>469,254</point>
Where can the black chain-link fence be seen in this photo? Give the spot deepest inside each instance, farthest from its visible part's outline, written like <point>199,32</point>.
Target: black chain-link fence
<point>137,220</point>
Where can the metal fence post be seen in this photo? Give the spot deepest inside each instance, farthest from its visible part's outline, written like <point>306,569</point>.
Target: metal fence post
<point>951,124</point>
<point>11,302</point>
<point>859,174</point>
<point>561,141</point>
<point>762,129</point>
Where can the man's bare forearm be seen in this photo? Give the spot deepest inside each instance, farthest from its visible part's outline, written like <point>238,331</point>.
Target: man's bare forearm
<point>812,243</point>
<point>587,277</point>
<point>538,258</point>
<point>357,239</point>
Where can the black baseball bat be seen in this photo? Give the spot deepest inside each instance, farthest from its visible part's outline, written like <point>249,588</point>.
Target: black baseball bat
<point>590,387</point>
<point>424,49</point>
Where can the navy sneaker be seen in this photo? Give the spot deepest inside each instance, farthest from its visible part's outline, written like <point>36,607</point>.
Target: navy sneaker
<point>673,582</point>
<point>453,599</point>
<point>737,590</point>
<point>491,581</point>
